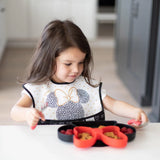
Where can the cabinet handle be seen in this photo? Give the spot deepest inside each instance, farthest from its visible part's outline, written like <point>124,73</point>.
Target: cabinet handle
<point>135,9</point>
<point>2,9</point>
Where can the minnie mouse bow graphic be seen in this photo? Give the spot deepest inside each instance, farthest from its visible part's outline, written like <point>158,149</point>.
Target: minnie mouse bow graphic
<point>63,97</point>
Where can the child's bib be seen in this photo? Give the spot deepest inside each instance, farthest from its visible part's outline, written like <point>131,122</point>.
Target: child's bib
<point>67,102</point>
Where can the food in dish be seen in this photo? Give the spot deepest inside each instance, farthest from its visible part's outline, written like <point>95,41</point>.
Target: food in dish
<point>67,132</point>
<point>126,130</point>
<point>101,126</point>
<point>111,135</point>
<point>84,136</point>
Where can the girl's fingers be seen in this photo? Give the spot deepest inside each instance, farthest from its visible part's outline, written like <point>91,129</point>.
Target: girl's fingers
<point>144,119</point>
<point>138,118</point>
<point>141,116</point>
<point>134,122</point>
<point>33,127</point>
<point>36,116</point>
<point>34,123</point>
<point>32,117</point>
<point>140,121</point>
<point>42,116</point>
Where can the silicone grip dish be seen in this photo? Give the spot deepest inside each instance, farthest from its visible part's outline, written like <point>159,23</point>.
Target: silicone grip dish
<point>92,124</point>
<point>98,134</point>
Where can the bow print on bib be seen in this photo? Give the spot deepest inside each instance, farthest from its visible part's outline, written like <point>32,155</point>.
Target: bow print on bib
<point>63,97</point>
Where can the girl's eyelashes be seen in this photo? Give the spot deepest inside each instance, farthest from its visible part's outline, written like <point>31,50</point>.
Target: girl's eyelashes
<point>68,64</point>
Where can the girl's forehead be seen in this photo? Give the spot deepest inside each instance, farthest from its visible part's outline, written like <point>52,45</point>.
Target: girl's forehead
<point>72,53</point>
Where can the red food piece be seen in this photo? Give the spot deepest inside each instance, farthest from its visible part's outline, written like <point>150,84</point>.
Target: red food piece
<point>129,131</point>
<point>126,130</point>
<point>63,131</point>
<point>123,129</point>
<point>69,132</point>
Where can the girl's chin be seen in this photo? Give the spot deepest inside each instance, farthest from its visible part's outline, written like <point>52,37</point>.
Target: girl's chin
<point>70,79</point>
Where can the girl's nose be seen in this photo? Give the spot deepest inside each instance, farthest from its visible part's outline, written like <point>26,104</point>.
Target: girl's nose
<point>75,69</point>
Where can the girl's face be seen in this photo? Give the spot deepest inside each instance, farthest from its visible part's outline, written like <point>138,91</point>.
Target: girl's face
<point>69,65</point>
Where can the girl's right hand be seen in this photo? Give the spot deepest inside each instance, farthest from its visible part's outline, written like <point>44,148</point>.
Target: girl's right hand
<point>33,115</point>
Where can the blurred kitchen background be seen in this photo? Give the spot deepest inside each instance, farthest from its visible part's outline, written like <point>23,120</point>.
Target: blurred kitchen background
<point>124,38</point>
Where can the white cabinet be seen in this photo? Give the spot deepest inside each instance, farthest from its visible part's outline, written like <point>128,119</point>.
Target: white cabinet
<point>17,19</point>
<point>82,12</point>
<point>42,12</point>
<point>27,18</point>
<point>2,27</point>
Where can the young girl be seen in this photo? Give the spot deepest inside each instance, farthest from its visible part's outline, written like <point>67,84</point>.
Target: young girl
<point>59,88</point>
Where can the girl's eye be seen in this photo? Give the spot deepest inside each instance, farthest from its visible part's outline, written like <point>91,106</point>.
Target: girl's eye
<point>67,64</point>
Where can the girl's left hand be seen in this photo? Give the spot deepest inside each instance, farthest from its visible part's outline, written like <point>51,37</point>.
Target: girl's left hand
<point>140,121</point>
<point>142,117</point>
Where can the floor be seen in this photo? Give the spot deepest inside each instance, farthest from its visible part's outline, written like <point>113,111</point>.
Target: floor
<point>12,66</point>
<point>15,60</point>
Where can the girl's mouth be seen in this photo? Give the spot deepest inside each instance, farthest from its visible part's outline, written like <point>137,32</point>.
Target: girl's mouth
<point>73,76</point>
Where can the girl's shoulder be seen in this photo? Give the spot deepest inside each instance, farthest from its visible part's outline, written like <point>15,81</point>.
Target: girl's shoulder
<point>35,85</point>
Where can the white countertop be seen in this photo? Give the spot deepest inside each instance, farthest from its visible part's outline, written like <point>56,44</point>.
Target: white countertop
<point>21,143</point>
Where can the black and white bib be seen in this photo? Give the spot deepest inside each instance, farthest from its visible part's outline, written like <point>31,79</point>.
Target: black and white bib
<point>67,102</point>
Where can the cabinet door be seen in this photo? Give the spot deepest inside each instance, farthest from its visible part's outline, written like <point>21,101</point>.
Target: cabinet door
<point>2,27</point>
<point>154,116</point>
<point>133,40</point>
<point>83,13</point>
<point>27,18</point>
<point>44,11</point>
<point>17,19</point>
<point>122,29</point>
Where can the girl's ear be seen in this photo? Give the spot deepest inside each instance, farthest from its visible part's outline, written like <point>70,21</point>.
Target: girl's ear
<point>83,96</point>
<point>51,100</point>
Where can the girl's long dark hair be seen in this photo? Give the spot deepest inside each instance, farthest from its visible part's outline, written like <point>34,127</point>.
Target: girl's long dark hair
<point>56,37</point>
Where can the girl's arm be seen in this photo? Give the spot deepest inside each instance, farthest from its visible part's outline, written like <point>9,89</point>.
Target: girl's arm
<point>22,111</point>
<point>123,109</point>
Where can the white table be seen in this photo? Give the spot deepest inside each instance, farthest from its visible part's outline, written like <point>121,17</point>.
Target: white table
<point>18,142</point>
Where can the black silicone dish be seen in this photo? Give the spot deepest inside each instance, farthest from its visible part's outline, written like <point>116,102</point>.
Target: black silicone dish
<point>64,137</point>
<point>130,136</point>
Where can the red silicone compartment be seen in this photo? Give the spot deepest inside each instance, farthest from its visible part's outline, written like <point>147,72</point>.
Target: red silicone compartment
<point>84,143</point>
<point>98,134</point>
<point>120,142</point>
